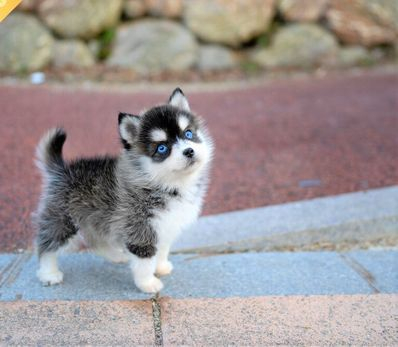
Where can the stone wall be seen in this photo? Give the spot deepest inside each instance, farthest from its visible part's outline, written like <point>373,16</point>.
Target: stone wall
<point>174,35</point>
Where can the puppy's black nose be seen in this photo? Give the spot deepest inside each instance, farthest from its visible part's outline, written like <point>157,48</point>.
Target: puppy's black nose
<point>188,152</point>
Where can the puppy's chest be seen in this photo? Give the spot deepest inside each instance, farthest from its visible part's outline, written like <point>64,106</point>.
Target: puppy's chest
<point>179,212</point>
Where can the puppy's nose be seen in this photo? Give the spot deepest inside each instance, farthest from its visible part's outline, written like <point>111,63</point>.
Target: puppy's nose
<point>188,152</point>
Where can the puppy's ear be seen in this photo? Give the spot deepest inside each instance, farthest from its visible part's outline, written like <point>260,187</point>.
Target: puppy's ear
<point>178,99</point>
<point>128,128</point>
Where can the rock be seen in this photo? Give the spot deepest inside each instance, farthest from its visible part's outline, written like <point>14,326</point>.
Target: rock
<point>156,8</point>
<point>298,45</point>
<point>214,57</point>
<point>25,44</point>
<point>134,8</point>
<point>302,10</point>
<point>76,18</point>
<point>230,22</point>
<point>27,5</point>
<point>385,12</point>
<point>396,53</point>
<point>355,22</point>
<point>354,56</point>
<point>379,54</point>
<point>72,53</point>
<point>95,47</point>
<point>151,45</point>
<point>164,8</point>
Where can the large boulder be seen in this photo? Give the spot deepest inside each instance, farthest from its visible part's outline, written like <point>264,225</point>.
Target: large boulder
<point>164,8</point>
<point>353,56</point>
<point>156,8</point>
<point>79,18</point>
<point>134,8</point>
<point>364,22</point>
<point>151,45</point>
<point>302,10</point>
<point>385,12</point>
<point>72,53</point>
<point>25,44</point>
<point>215,57</point>
<point>230,22</point>
<point>28,5</point>
<point>301,45</point>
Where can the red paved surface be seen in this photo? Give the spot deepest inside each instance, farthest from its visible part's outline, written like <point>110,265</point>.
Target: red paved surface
<point>340,132</point>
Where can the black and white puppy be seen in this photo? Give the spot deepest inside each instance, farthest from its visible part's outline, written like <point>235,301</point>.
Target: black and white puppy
<point>131,207</point>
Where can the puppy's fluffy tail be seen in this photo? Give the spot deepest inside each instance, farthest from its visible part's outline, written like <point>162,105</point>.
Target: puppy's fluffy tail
<point>49,150</point>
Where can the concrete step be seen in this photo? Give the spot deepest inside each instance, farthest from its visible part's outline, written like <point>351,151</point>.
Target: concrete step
<point>336,222</point>
<point>88,277</point>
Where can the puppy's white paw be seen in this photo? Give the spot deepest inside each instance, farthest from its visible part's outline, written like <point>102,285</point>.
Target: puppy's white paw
<point>50,278</point>
<point>164,268</point>
<point>151,285</point>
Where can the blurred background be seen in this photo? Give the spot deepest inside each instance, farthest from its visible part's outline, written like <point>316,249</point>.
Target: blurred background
<point>125,40</point>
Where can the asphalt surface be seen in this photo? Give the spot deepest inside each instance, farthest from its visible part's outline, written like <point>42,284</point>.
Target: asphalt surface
<point>280,142</point>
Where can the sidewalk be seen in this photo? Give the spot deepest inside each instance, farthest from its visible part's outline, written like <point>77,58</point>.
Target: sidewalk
<point>88,277</point>
<point>221,294</point>
<point>247,298</point>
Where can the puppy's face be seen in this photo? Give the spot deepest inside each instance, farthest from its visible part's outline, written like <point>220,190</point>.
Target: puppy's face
<point>172,144</point>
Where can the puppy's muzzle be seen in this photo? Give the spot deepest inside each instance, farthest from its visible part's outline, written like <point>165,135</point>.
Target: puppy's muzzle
<point>189,152</point>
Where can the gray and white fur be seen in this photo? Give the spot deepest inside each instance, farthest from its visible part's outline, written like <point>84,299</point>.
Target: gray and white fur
<point>128,208</point>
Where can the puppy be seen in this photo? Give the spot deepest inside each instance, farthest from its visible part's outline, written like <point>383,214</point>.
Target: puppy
<point>128,208</point>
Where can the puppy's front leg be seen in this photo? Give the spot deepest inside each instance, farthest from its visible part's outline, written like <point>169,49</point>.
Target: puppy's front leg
<point>143,265</point>
<point>163,266</point>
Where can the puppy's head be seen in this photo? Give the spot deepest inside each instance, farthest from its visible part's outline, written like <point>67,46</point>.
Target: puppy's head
<point>170,143</point>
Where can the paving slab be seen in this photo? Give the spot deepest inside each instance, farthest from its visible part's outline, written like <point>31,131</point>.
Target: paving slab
<point>257,274</point>
<point>381,268</point>
<point>346,218</point>
<point>88,277</point>
<point>68,323</point>
<point>369,320</point>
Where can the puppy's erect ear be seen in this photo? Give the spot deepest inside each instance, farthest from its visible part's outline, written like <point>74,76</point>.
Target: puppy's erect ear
<point>128,128</point>
<point>178,99</point>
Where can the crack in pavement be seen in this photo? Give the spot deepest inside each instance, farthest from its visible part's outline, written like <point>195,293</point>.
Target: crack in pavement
<point>157,323</point>
<point>361,271</point>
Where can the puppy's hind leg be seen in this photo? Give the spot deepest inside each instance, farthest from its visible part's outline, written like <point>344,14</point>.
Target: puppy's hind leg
<point>53,234</point>
<point>48,272</point>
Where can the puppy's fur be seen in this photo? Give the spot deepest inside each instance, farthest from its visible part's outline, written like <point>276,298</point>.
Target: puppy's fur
<point>128,208</point>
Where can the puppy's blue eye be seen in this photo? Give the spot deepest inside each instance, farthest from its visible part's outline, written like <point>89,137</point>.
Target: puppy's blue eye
<point>162,149</point>
<point>188,134</point>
